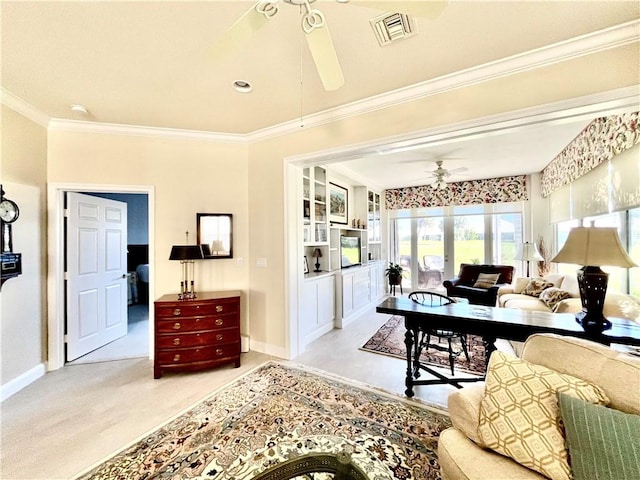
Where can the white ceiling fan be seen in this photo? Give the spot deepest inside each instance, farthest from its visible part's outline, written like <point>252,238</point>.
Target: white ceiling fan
<point>315,29</point>
<point>441,173</point>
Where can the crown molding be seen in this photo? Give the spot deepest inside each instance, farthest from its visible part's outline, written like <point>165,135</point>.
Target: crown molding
<point>140,131</point>
<point>587,44</point>
<point>23,108</point>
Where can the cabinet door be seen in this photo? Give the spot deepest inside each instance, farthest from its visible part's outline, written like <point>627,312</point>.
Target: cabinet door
<point>326,300</point>
<point>347,294</point>
<point>361,288</point>
<point>309,308</point>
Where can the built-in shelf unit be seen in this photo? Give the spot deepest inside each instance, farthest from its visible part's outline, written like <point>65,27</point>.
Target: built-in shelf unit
<point>335,296</point>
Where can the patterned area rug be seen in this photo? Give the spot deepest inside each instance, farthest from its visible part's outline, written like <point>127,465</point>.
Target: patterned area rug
<point>389,340</point>
<point>277,413</point>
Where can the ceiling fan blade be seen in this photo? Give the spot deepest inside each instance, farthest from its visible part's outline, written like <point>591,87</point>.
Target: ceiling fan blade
<point>239,34</point>
<point>458,170</point>
<point>425,9</point>
<point>325,57</point>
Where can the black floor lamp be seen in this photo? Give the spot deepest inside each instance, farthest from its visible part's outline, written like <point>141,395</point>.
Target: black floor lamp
<point>528,252</point>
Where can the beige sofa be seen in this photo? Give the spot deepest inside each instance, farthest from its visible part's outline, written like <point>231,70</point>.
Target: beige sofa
<point>618,374</point>
<point>616,304</point>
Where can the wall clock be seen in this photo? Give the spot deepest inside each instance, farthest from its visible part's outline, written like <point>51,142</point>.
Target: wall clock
<point>9,211</point>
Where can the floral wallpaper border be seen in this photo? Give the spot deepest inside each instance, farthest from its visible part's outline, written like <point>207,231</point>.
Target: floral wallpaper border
<point>600,141</point>
<point>491,190</point>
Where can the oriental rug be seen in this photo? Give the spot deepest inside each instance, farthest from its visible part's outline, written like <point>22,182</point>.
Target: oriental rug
<point>277,413</point>
<point>389,340</point>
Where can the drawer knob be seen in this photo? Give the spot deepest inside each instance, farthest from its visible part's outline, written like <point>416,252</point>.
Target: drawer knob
<point>219,337</point>
<point>177,312</point>
<point>219,321</point>
<point>219,351</point>
<point>177,326</point>
<point>176,341</point>
<point>176,358</point>
<point>219,308</point>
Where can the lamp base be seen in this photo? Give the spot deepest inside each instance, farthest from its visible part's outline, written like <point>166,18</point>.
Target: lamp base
<point>592,282</point>
<point>317,266</point>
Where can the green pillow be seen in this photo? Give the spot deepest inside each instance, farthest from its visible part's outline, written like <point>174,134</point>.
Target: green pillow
<point>604,444</point>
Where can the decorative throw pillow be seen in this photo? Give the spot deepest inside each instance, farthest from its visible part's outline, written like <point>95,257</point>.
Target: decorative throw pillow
<point>519,414</point>
<point>603,443</point>
<point>486,280</point>
<point>552,295</point>
<point>536,286</point>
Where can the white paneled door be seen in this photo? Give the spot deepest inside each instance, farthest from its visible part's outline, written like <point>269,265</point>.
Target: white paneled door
<point>96,273</point>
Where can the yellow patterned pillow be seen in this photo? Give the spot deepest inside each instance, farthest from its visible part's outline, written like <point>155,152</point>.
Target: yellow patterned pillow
<point>520,417</point>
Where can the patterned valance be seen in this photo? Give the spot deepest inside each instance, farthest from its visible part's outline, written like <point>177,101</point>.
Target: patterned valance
<point>602,139</point>
<point>473,192</point>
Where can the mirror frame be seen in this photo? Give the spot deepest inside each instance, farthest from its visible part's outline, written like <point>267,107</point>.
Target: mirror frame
<point>200,239</point>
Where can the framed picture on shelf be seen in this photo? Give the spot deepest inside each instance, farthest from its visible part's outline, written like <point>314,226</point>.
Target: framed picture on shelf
<point>338,204</point>
<point>306,265</point>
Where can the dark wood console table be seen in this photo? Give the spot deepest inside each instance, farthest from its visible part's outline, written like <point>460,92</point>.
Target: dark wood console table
<point>491,323</point>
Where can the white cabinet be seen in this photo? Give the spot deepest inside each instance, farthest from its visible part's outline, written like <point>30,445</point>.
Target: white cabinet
<point>368,207</point>
<point>317,307</point>
<point>357,289</point>
<point>314,205</point>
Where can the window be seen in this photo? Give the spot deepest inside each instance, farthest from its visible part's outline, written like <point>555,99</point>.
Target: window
<point>432,243</point>
<point>628,225</point>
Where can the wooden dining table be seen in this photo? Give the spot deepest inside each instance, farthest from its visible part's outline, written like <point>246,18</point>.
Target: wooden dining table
<point>490,323</point>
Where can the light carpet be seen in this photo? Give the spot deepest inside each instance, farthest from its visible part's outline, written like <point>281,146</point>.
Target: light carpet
<point>277,413</point>
<point>389,340</point>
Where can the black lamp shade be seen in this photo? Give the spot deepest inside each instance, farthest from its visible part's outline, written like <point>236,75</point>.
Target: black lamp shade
<point>186,252</point>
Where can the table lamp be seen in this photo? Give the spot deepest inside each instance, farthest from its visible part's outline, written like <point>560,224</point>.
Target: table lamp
<point>186,254</point>
<point>528,252</point>
<point>593,247</point>
<point>317,253</point>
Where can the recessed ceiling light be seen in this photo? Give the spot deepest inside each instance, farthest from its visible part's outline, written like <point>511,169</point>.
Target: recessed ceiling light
<point>79,109</point>
<point>242,86</point>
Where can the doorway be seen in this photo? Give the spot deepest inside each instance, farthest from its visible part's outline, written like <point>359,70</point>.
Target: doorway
<point>134,342</point>
<point>56,264</point>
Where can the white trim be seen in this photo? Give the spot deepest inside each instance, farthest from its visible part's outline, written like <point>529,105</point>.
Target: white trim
<point>590,43</point>
<point>14,386</point>
<point>585,107</point>
<point>23,108</point>
<point>55,254</point>
<point>141,131</point>
<point>269,349</point>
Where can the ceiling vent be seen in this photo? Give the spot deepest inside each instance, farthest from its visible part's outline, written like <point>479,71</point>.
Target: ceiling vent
<point>392,27</point>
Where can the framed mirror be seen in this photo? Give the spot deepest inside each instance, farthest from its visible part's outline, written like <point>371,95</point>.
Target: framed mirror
<point>215,234</point>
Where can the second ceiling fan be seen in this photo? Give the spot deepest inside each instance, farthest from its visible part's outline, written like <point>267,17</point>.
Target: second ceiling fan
<point>315,29</point>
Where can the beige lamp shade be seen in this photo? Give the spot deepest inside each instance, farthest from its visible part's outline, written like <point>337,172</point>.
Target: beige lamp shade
<point>217,246</point>
<point>594,246</point>
<point>528,252</point>
<point>317,253</point>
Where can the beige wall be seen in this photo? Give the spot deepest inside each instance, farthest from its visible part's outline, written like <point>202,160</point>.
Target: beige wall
<point>23,299</point>
<point>188,176</point>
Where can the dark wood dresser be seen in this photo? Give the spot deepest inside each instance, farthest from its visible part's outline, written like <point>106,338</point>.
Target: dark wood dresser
<point>196,334</point>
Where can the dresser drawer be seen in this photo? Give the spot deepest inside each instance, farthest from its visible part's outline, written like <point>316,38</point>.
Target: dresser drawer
<point>217,337</point>
<point>197,354</point>
<point>192,308</point>
<point>191,324</point>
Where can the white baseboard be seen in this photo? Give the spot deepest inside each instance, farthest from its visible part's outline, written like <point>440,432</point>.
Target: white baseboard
<point>269,349</point>
<point>14,386</point>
